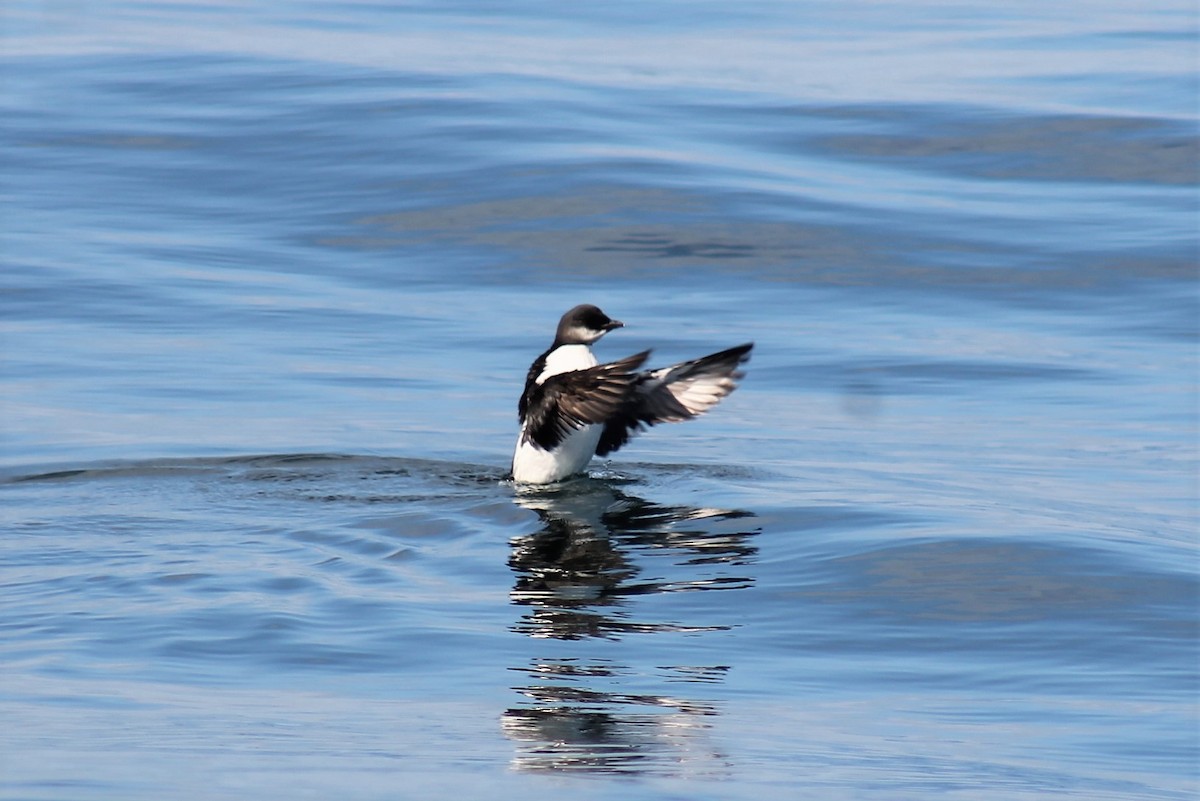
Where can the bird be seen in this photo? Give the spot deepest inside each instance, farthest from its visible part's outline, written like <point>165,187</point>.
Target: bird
<point>574,408</point>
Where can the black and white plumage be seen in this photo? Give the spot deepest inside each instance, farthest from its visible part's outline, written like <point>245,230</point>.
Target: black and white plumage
<point>573,407</point>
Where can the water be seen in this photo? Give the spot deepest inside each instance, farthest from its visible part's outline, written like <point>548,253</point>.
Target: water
<point>273,275</point>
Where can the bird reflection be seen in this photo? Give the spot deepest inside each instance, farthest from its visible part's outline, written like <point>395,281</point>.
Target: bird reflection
<point>578,578</point>
<point>577,575</point>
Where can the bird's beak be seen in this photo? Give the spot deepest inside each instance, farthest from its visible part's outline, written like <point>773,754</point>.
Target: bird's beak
<point>614,324</point>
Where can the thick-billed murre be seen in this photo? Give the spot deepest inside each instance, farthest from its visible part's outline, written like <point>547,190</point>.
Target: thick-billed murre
<point>573,407</point>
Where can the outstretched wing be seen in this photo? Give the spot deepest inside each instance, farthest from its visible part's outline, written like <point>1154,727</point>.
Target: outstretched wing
<point>672,394</point>
<point>569,401</point>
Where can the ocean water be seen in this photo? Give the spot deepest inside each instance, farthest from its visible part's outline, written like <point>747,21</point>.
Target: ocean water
<point>273,274</point>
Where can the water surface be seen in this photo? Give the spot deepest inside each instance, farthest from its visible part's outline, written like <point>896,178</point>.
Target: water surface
<point>272,278</point>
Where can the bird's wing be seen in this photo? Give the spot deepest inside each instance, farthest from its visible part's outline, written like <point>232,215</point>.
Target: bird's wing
<point>675,393</point>
<point>569,401</point>
<point>535,370</point>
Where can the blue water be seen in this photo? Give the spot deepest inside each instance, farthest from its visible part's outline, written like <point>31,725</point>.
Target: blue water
<point>273,274</point>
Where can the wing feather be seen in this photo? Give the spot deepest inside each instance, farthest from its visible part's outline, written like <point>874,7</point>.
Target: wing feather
<point>566,402</point>
<point>672,394</point>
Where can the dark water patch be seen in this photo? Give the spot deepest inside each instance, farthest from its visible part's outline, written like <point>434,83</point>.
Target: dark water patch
<point>663,248</point>
<point>878,377</point>
<point>608,235</point>
<point>276,468</point>
<point>982,600</point>
<point>1020,147</point>
<point>846,523</point>
<point>52,476</point>
<point>698,236</point>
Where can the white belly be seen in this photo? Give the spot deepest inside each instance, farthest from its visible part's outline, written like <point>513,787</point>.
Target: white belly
<point>533,465</point>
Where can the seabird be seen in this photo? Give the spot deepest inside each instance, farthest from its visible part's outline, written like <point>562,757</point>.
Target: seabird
<point>573,407</point>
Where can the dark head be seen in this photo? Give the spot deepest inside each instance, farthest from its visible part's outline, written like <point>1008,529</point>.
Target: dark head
<point>583,325</point>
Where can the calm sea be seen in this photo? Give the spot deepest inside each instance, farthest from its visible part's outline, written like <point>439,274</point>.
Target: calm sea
<point>272,276</point>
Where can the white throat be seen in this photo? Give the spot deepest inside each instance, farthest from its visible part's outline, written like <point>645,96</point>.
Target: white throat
<point>567,358</point>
